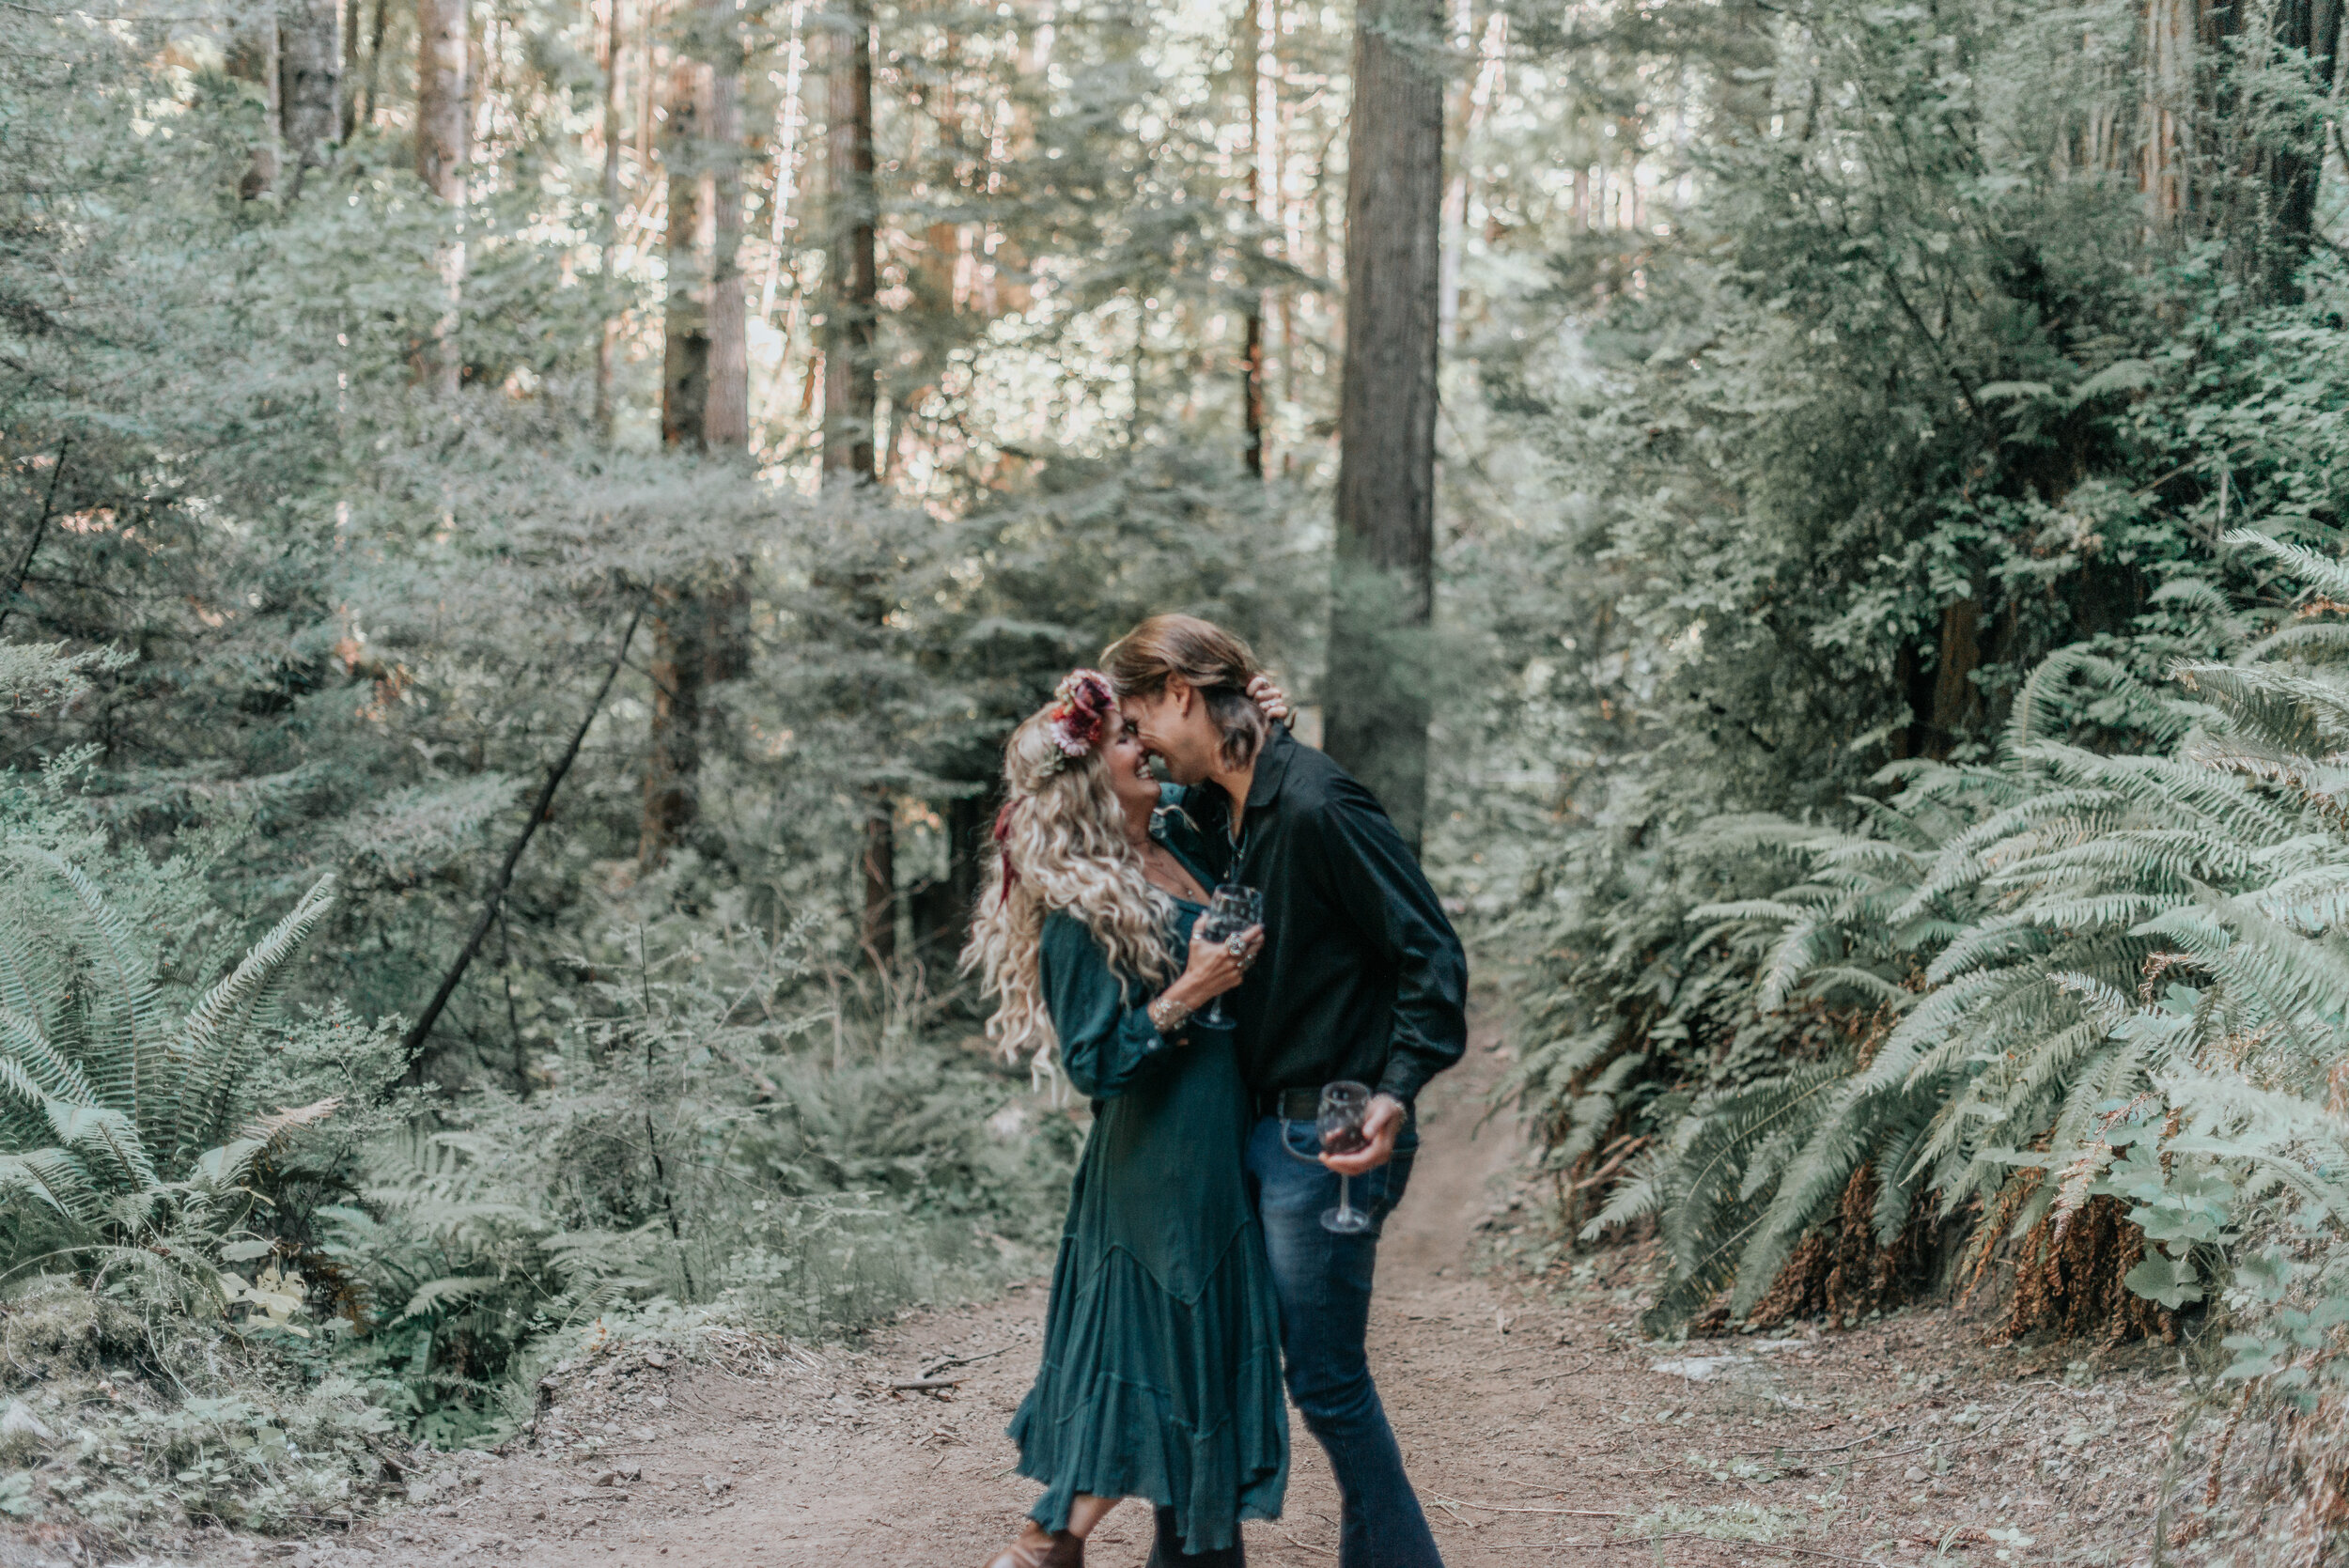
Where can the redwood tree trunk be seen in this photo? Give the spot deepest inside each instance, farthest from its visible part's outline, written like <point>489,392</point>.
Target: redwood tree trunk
<point>1251,53</point>
<point>443,106</point>
<point>685,319</point>
<point>849,324</point>
<point>850,334</point>
<point>1378,705</point>
<point>607,346</point>
<point>704,404</point>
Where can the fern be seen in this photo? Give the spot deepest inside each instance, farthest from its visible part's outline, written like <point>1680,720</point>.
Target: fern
<point>2097,936</point>
<point>116,1117</point>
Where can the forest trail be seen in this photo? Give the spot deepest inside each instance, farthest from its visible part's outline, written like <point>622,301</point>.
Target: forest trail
<point>1537,1429</point>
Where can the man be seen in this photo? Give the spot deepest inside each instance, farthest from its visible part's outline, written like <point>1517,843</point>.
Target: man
<point>1361,977</point>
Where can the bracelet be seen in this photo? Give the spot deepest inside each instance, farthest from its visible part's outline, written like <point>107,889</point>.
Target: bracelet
<point>1167,1014</point>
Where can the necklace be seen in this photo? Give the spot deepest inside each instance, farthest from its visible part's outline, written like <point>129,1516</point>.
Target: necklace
<point>1172,874</point>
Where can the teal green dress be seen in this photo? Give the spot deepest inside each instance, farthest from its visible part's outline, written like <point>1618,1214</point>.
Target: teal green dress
<point>1161,1369</point>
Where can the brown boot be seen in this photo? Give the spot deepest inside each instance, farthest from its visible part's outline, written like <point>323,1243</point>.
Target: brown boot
<point>1035,1549</point>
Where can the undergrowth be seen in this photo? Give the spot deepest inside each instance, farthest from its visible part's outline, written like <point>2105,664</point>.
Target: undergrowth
<point>245,1265</point>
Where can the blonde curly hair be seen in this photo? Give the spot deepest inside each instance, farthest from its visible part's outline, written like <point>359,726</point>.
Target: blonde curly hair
<point>1062,835</point>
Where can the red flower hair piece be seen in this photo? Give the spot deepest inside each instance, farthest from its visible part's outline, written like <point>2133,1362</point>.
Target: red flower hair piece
<point>1081,710</point>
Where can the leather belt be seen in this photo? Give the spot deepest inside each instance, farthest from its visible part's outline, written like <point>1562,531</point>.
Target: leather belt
<point>1294,1104</point>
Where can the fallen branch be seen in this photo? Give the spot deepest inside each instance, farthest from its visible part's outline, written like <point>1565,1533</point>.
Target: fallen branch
<point>937,1367</point>
<point>1568,1513</point>
<point>1802,1453</point>
<point>928,1384</point>
<point>1318,1551</point>
<point>412,1047</point>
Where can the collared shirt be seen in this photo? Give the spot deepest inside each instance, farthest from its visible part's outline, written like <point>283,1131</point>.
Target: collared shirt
<point>1361,977</point>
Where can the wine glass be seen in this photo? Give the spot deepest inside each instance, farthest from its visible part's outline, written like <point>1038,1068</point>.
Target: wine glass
<point>1234,909</point>
<point>1344,1105</point>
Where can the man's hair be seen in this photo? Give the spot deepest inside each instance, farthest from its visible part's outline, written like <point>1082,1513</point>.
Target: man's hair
<point>1211,661</point>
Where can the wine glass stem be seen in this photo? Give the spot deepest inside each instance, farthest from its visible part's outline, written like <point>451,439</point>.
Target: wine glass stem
<point>1346,1194</point>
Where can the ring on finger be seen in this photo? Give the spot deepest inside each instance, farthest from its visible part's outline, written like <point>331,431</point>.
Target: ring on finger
<point>1237,947</point>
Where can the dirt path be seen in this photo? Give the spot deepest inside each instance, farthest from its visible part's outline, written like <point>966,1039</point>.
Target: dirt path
<point>1538,1430</point>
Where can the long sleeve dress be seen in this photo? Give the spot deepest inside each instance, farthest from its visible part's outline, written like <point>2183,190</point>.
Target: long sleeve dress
<point>1162,1368</point>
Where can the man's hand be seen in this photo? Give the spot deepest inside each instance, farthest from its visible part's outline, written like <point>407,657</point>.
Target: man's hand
<point>1381,1125</point>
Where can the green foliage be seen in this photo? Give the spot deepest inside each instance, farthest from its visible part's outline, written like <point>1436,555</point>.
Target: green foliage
<point>2096,975</point>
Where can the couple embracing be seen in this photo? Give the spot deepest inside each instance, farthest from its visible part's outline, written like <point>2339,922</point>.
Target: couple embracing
<point>1213,1239</point>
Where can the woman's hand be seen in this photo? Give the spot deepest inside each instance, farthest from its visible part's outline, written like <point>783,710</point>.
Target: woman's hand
<point>1213,970</point>
<point>1269,697</point>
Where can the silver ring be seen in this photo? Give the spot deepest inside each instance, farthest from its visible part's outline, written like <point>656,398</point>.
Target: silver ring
<point>1237,947</point>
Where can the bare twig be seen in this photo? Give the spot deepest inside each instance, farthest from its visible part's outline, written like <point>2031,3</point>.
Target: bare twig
<point>412,1047</point>
<point>937,1367</point>
<point>1568,1513</point>
<point>1318,1551</point>
<point>41,527</point>
<point>1802,1453</point>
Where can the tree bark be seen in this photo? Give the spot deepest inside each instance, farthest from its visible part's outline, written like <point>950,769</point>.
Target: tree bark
<point>252,56</point>
<point>685,319</point>
<point>850,321</point>
<point>310,83</point>
<point>728,415</point>
<point>673,769</point>
<point>444,108</point>
<point>375,60</point>
<point>850,336</point>
<point>347,123</point>
<point>1251,53</point>
<point>608,341</point>
<point>1378,703</point>
<point>2313,28</point>
<point>705,405</point>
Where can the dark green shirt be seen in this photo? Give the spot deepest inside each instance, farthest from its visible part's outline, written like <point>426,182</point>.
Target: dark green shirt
<point>1361,977</point>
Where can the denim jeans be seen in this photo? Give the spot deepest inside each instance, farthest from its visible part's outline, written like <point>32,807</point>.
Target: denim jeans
<point>1324,1281</point>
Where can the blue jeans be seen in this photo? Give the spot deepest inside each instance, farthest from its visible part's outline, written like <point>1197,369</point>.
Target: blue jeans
<point>1323,1281</point>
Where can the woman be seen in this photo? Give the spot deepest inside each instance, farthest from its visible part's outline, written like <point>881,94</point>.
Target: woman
<point>1162,1368</point>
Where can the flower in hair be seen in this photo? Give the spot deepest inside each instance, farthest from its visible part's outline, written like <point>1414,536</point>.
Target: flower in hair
<point>1080,713</point>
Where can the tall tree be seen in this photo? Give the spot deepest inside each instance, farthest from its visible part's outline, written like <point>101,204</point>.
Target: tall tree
<point>850,331</point>
<point>1254,85</point>
<point>310,83</point>
<point>608,342</point>
<point>444,108</point>
<point>850,322</point>
<point>705,401</point>
<point>1378,699</point>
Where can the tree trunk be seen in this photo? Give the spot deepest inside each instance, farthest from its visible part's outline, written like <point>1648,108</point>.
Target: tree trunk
<point>673,770</point>
<point>252,56</point>
<point>728,415</point>
<point>375,60</point>
<point>704,404</point>
<point>2312,27</point>
<point>685,319</point>
<point>347,123</point>
<point>1251,53</point>
<point>1378,708</point>
<point>310,67</point>
<point>673,765</point>
<point>608,342</point>
<point>851,333</point>
<point>444,108</point>
<point>850,323</point>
